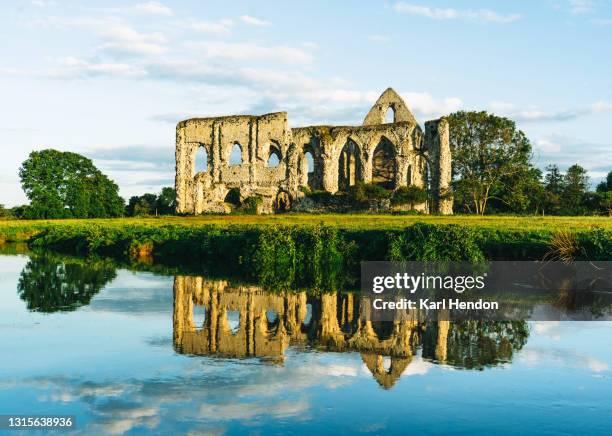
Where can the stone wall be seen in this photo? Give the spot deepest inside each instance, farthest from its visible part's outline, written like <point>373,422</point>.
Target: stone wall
<point>330,158</point>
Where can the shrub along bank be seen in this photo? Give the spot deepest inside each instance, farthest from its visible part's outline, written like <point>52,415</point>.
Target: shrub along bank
<point>318,256</point>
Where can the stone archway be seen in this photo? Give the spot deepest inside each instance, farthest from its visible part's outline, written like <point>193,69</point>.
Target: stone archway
<point>282,203</point>
<point>384,167</point>
<point>349,165</point>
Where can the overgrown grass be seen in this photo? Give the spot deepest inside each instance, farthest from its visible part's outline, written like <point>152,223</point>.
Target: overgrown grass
<point>362,221</point>
<point>313,250</point>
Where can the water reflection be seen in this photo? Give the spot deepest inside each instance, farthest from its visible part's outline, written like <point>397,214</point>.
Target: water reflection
<point>50,283</point>
<point>270,322</point>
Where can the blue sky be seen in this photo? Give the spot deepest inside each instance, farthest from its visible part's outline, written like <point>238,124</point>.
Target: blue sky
<point>110,79</point>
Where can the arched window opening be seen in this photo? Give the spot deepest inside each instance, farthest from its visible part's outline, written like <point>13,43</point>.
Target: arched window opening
<point>308,317</point>
<point>390,115</point>
<point>349,168</point>
<point>386,363</point>
<point>199,315</point>
<point>236,155</point>
<point>201,160</point>
<point>383,329</point>
<point>272,319</point>
<point>233,197</point>
<point>271,316</point>
<point>233,320</point>
<point>282,202</point>
<point>383,164</point>
<point>274,158</point>
<point>308,170</point>
<point>409,176</point>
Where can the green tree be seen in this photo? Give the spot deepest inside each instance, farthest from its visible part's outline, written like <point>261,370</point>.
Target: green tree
<point>67,185</point>
<point>521,192</point>
<point>3,212</point>
<point>576,184</point>
<point>605,185</point>
<point>166,201</point>
<point>554,185</point>
<point>487,150</point>
<point>152,204</point>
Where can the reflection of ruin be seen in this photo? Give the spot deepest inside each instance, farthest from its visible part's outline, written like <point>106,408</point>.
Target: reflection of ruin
<point>215,318</point>
<point>223,160</point>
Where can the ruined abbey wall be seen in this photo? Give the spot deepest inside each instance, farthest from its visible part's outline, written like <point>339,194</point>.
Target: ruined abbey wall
<point>329,158</point>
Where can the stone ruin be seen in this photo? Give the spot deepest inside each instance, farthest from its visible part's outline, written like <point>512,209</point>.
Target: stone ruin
<point>276,162</point>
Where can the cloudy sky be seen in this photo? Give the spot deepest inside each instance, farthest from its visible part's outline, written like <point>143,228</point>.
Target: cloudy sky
<point>109,79</point>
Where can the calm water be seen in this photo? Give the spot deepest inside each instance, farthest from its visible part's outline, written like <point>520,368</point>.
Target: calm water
<point>134,352</point>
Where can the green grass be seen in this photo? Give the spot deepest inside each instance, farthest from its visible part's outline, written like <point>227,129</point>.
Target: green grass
<point>340,221</point>
<point>317,250</point>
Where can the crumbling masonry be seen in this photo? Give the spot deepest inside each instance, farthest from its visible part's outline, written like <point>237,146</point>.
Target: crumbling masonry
<point>275,162</point>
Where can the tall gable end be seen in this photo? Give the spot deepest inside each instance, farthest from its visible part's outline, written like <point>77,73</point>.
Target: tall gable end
<point>389,100</point>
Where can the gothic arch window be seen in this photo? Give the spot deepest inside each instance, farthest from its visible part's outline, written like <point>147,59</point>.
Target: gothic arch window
<point>390,115</point>
<point>274,157</point>
<point>409,176</point>
<point>308,169</point>
<point>349,167</point>
<point>383,164</point>
<point>201,160</point>
<point>236,155</point>
<point>233,321</point>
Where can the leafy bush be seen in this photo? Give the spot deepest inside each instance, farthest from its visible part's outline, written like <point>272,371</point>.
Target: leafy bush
<point>250,205</point>
<point>364,192</point>
<point>426,242</point>
<point>319,195</point>
<point>409,195</point>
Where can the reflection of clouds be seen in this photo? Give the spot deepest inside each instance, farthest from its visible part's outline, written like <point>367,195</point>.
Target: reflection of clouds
<point>418,366</point>
<point>245,411</point>
<point>536,356</point>
<point>548,328</point>
<point>226,390</point>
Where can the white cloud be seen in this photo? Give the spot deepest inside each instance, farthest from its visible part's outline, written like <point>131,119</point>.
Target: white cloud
<point>80,67</point>
<point>219,27</point>
<point>547,146</point>
<point>581,6</point>
<point>424,104</point>
<point>535,114</point>
<point>144,8</point>
<point>254,21</point>
<point>451,13</point>
<point>125,40</point>
<point>251,51</point>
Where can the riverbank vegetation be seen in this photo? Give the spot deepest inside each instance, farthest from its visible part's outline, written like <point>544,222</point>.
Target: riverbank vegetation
<point>314,251</point>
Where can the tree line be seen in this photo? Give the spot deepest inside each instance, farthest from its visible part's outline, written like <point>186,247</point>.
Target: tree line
<point>68,185</point>
<point>492,173</point>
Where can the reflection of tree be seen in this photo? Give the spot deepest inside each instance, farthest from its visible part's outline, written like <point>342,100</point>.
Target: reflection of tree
<point>477,344</point>
<point>50,283</point>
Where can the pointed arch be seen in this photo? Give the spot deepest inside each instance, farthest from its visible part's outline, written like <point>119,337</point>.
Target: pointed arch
<point>349,165</point>
<point>409,175</point>
<point>390,115</point>
<point>201,159</point>
<point>274,157</point>
<point>235,157</point>
<point>384,167</point>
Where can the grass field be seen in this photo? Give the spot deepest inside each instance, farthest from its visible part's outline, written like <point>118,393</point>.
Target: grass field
<point>349,221</point>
